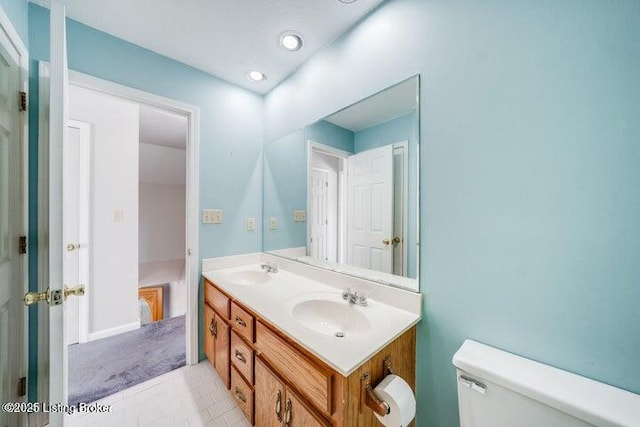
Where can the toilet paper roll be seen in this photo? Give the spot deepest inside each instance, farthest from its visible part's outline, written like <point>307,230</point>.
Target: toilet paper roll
<point>400,398</point>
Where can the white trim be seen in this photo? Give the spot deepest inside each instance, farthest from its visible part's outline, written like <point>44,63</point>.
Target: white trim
<point>193,147</point>
<point>42,418</point>
<point>84,235</point>
<point>114,331</point>
<point>23,63</point>
<point>404,150</point>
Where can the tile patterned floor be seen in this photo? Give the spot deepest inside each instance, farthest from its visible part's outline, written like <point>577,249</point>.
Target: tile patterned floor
<point>192,396</point>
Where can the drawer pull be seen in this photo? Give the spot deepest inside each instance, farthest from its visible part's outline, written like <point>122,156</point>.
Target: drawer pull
<point>279,406</point>
<point>287,414</point>
<point>240,357</point>
<point>213,328</point>
<point>240,395</point>
<point>241,322</point>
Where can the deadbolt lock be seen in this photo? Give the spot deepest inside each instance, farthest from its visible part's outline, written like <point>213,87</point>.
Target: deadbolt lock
<point>76,290</point>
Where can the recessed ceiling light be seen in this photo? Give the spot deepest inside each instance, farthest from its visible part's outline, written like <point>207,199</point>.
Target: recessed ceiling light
<point>256,76</point>
<point>291,41</point>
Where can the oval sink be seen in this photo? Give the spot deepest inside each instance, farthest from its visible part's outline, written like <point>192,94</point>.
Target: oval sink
<point>248,277</point>
<point>331,317</point>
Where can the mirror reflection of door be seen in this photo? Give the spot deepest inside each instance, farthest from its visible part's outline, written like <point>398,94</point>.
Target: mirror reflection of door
<point>325,207</point>
<point>370,219</point>
<point>368,206</point>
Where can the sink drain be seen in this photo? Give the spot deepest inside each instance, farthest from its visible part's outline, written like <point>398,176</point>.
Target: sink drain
<point>340,334</point>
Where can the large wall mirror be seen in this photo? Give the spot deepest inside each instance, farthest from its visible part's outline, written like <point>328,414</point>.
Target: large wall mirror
<point>342,193</point>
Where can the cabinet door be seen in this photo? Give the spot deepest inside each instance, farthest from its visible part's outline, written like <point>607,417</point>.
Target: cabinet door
<point>269,397</point>
<point>221,350</point>
<point>209,332</point>
<point>299,414</point>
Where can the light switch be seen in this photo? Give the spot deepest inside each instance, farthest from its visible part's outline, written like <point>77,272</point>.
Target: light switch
<point>212,216</point>
<point>299,216</point>
<point>273,223</point>
<point>251,224</point>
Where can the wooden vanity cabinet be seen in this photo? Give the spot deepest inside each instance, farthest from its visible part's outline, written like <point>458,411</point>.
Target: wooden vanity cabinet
<point>277,383</point>
<point>276,405</point>
<point>217,332</point>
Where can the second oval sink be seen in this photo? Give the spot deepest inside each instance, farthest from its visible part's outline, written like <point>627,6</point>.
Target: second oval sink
<point>331,317</point>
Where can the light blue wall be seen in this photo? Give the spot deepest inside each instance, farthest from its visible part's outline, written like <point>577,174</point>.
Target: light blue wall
<point>530,203</point>
<point>231,131</point>
<point>403,128</point>
<point>329,134</point>
<point>285,190</point>
<point>16,10</point>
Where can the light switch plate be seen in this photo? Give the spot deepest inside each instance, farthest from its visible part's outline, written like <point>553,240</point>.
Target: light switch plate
<point>299,216</point>
<point>273,223</point>
<point>212,216</point>
<point>251,224</point>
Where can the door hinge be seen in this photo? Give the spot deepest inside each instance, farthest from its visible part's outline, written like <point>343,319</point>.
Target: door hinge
<point>22,387</point>
<point>23,101</point>
<point>22,245</point>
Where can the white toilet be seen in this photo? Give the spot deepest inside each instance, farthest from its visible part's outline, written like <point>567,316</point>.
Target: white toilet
<point>499,389</point>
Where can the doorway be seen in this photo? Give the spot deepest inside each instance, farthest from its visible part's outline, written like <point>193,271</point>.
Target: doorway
<point>122,210</point>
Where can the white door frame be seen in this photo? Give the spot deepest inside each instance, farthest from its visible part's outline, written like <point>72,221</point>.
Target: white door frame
<point>7,27</point>
<point>402,148</point>
<point>84,172</point>
<point>313,146</point>
<point>192,195</point>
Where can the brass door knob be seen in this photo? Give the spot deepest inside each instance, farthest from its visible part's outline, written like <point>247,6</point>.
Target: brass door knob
<point>35,297</point>
<point>76,290</point>
<point>72,247</point>
<point>386,242</point>
<point>396,240</point>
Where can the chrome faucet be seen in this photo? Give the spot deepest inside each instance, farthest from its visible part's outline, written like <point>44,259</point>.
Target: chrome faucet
<point>355,297</point>
<point>269,267</point>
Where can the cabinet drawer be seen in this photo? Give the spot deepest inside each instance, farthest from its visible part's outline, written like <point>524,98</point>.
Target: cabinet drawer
<point>310,379</point>
<point>216,299</point>
<point>242,322</point>
<point>242,357</point>
<point>242,393</point>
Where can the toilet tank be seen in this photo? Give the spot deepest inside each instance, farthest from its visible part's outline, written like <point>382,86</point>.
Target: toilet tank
<point>500,389</point>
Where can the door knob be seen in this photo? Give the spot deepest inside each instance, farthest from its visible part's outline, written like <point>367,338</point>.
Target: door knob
<point>396,240</point>
<point>386,242</point>
<point>76,290</point>
<point>35,297</point>
<point>72,247</point>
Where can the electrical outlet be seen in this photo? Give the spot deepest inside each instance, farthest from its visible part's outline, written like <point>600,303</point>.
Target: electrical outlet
<point>251,224</point>
<point>212,216</point>
<point>299,216</point>
<point>273,223</point>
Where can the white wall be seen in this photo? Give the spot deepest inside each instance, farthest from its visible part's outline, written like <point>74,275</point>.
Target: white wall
<point>113,288</point>
<point>162,222</point>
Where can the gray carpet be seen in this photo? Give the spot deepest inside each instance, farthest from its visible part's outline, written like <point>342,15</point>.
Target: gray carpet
<point>103,367</point>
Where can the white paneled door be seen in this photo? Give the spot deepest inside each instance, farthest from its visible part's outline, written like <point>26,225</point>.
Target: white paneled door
<point>370,218</point>
<point>57,136</point>
<point>12,326</point>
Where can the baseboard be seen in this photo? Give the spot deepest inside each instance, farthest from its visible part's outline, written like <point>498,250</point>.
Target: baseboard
<point>114,331</point>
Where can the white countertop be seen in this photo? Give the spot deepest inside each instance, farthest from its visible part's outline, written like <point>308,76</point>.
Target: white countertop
<point>274,301</point>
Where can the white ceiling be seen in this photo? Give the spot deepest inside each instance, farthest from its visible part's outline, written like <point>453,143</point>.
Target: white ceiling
<point>386,105</point>
<point>161,127</point>
<point>226,38</point>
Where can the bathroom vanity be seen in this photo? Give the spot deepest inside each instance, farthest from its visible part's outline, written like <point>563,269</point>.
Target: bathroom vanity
<point>294,352</point>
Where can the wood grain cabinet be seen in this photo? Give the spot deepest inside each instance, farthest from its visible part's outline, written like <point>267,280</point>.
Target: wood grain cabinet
<point>217,335</point>
<point>277,383</point>
<point>276,405</point>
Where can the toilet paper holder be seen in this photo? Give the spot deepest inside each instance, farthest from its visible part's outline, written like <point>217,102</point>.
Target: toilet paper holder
<point>368,397</point>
